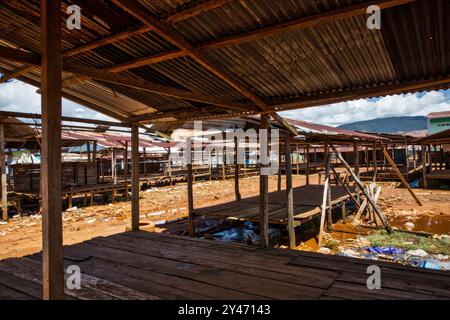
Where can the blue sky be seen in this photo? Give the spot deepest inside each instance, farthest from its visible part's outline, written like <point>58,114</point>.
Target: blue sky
<point>20,97</point>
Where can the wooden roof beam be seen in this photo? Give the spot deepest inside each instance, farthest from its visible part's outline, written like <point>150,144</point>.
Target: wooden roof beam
<point>197,9</point>
<point>16,73</point>
<point>106,76</point>
<point>167,33</point>
<point>377,91</point>
<point>301,23</point>
<point>298,24</point>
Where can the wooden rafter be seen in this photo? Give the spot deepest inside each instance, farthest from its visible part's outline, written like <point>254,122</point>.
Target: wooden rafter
<point>16,73</point>
<point>175,17</point>
<point>375,91</point>
<point>167,33</point>
<point>302,23</point>
<point>298,24</point>
<point>106,76</point>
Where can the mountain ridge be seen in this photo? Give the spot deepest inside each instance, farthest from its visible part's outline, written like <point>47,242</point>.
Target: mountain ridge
<point>389,125</point>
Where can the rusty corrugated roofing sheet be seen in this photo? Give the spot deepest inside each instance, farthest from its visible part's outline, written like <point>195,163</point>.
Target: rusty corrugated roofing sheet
<point>332,60</point>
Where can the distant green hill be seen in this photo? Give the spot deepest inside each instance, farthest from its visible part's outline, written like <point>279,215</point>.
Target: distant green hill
<point>388,125</point>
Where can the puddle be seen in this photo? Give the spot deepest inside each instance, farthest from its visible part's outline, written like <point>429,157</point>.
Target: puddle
<point>432,224</point>
<point>247,232</point>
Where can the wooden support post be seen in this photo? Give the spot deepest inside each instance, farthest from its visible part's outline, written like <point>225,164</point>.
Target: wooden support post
<point>366,157</point>
<point>169,165</point>
<point>190,188</point>
<point>280,160</point>
<point>325,198</point>
<point>126,169</point>
<point>94,152</point>
<point>289,193</point>
<point>114,166</point>
<point>88,151</point>
<point>263,192</point>
<point>237,168</point>
<point>344,213</point>
<point>399,174</point>
<point>51,79</point>
<point>307,165</point>
<point>356,158</point>
<point>424,166</point>
<point>134,177</point>
<point>4,185</point>
<point>224,156</point>
<point>374,158</point>
<point>145,162</point>
<point>369,198</point>
<point>329,208</point>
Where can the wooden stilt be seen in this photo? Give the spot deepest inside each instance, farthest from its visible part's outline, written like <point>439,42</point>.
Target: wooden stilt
<point>424,166</point>
<point>356,158</point>
<point>237,168</point>
<point>325,198</point>
<point>280,160</point>
<point>190,178</point>
<point>289,193</point>
<point>307,165</point>
<point>134,177</point>
<point>4,185</point>
<point>114,166</point>
<point>399,174</point>
<point>51,78</point>
<point>126,169</point>
<point>264,193</point>
<point>145,162</point>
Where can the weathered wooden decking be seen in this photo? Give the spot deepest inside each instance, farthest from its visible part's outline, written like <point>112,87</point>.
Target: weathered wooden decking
<point>157,266</point>
<point>307,205</point>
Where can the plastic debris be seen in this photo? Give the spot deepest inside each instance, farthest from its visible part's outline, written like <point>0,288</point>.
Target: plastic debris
<point>324,250</point>
<point>385,250</point>
<point>417,253</point>
<point>409,226</point>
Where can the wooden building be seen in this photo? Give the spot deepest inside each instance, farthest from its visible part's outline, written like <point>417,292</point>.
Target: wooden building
<point>147,61</point>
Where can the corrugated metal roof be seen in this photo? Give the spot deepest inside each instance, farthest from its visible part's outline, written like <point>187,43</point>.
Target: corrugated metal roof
<point>329,59</point>
<point>314,128</point>
<point>437,115</point>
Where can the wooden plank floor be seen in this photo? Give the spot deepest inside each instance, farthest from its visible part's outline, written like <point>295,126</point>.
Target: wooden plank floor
<point>154,266</point>
<point>307,204</point>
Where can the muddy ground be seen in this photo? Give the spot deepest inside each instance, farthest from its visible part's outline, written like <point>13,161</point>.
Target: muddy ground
<point>22,235</point>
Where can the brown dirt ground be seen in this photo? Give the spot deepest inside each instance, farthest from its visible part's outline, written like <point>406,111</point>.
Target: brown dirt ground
<point>22,236</point>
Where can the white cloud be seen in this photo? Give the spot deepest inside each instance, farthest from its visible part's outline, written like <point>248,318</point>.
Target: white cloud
<point>367,109</point>
<point>20,97</point>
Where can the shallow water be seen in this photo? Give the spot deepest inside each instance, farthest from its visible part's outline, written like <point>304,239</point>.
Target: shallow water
<point>438,224</point>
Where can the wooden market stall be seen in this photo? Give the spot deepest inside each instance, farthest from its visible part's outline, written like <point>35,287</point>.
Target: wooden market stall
<point>142,62</point>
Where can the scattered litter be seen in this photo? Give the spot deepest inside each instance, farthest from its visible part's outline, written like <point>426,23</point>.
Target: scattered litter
<point>409,226</point>
<point>350,253</point>
<point>417,253</point>
<point>91,221</point>
<point>324,250</point>
<point>73,209</point>
<point>385,250</point>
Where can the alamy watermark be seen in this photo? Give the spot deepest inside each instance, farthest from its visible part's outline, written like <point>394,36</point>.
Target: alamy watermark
<point>232,147</point>
<point>73,281</point>
<point>74,20</point>
<point>374,280</point>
